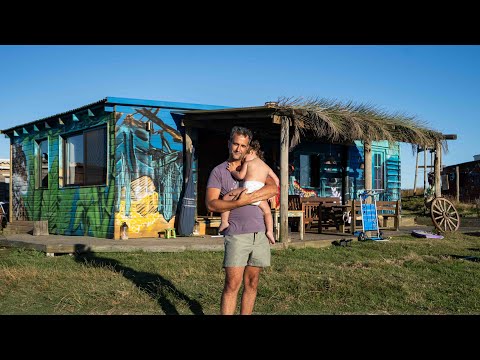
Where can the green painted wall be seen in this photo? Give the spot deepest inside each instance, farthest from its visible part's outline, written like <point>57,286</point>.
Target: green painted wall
<point>72,210</point>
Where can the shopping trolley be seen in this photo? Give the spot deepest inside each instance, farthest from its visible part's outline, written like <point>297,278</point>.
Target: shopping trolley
<point>370,227</point>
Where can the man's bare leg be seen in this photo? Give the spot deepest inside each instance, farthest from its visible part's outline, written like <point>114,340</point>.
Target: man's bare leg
<point>233,281</point>
<point>250,283</point>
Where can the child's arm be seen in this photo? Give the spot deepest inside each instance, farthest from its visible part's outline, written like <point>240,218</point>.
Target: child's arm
<point>232,193</point>
<point>274,176</point>
<point>239,175</point>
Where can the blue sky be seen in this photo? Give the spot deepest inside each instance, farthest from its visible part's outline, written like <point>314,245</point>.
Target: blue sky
<point>438,84</point>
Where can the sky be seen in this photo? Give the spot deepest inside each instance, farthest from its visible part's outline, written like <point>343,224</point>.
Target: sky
<point>438,84</point>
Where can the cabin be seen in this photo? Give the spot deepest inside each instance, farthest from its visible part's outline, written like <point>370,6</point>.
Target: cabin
<point>91,169</point>
<point>120,161</point>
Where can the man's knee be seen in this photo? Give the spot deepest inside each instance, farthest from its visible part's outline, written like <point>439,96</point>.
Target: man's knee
<point>232,284</point>
<point>251,285</point>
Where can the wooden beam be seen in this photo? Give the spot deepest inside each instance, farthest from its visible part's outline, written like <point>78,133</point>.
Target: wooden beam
<point>284,146</point>
<point>457,181</point>
<point>450,136</point>
<point>416,172</point>
<point>424,172</point>
<point>438,167</point>
<point>344,173</point>
<point>232,116</point>
<point>367,155</point>
<point>10,186</point>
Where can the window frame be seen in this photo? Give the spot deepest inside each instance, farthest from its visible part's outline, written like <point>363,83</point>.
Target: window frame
<point>64,138</point>
<point>378,176</point>
<point>38,157</point>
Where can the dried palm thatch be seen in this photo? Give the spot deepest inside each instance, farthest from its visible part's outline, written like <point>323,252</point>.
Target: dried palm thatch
<point>344,122</point>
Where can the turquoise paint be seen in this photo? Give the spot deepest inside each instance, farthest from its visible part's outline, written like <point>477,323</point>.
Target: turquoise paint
<point>175,106</point>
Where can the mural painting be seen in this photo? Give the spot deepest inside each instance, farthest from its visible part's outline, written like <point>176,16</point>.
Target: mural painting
<point>149,168</point>
<point>70,210</point>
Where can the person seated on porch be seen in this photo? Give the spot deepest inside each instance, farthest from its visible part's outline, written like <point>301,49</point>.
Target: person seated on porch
<point>254,171</point>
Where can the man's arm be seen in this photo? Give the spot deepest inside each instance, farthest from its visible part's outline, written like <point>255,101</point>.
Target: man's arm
<point>215,204</point>
<point>266,192</point>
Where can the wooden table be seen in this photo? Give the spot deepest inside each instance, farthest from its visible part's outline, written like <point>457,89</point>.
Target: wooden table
<point>291,214</point>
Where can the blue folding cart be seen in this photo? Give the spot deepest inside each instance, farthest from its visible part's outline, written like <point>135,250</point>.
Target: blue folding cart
<point>371,230</point>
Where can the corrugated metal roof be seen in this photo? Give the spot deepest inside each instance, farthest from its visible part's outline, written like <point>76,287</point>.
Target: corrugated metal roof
<point>126,101</point>
<point>56,115</point>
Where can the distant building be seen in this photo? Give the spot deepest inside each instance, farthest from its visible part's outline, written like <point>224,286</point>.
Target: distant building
<point>469,179</point>
<point>4,179</point>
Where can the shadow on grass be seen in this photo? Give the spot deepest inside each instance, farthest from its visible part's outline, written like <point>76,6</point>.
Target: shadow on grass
<point>469,258</point>
<point>157,287</point>
<point>474,233</point>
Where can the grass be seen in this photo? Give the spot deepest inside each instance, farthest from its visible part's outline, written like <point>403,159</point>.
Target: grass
<point>415,205</point>
<point>403,276</point>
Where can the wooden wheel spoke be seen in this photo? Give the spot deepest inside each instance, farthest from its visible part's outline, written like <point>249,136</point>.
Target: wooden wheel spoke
<point>450,223</point>
<point>439,217</point>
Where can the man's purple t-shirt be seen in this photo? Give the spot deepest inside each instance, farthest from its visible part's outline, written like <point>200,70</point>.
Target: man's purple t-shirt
<point>242,220</point>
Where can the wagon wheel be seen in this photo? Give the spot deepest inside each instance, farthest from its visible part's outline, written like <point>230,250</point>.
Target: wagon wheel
<point>444,215</point>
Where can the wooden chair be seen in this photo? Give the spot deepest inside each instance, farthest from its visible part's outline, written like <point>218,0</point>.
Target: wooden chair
<point>389,209</point>
<point>385,210</point>
<point>320,210</point>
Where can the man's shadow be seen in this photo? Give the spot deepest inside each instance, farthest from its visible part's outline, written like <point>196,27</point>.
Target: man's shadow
<point>154,285</point>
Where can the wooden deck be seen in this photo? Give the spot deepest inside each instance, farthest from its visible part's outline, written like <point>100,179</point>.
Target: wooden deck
<point>58,244</point>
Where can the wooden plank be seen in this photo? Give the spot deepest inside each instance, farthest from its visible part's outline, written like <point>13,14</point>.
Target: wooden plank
<point>457,182</point>
<point>367,149</point>
<point>284,146</point>
<point>438,166</point>
<point>40,227</point>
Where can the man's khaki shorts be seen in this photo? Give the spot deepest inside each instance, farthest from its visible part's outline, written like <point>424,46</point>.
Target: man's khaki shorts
<point>252,249</point>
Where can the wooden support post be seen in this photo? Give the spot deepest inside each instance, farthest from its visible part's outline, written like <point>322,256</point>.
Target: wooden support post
<point>344,174</point>
<point>438,167</point>
<point>424,169</point>
<point>10,186</point>
<point>457,181</point>
<point>284,145</point>
<point>367,150</point>
<point>416,171</point>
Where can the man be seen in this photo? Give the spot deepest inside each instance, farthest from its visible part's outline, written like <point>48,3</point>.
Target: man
<point>247,249</point>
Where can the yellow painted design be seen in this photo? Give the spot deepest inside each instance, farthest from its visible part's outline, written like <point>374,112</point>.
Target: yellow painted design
<point>144,220</point>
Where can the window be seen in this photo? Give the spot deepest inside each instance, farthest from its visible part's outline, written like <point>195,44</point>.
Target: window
<point>377,171</point>
<point>310,170</point>
<point>42,161</point>
<point>86,158</point>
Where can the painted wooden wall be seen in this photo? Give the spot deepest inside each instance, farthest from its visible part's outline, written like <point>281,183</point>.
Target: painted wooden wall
<point>328,160</point>
<point>149,169</point>
<point>73,210</point>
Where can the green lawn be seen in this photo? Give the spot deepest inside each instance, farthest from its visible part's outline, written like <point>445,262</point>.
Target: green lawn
<point>402,276</point>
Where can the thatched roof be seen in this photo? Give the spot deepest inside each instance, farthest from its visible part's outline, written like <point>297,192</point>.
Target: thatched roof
<point>343,122</point>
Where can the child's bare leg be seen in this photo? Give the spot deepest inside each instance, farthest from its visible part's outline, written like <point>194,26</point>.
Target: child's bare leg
<point>267,213</point>
<point>224,216</point>
<point>224,221</point>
